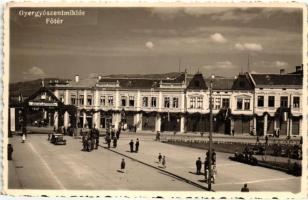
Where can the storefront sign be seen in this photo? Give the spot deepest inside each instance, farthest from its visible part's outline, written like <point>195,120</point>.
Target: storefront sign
<point>46,104</point>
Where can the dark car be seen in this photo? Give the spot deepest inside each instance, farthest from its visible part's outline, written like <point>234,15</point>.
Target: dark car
<point>58,139</point>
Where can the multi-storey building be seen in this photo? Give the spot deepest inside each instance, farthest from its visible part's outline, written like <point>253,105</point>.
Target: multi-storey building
<point>248,103</point>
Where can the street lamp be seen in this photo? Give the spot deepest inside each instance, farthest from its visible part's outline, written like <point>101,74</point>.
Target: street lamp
<point>209,180</point>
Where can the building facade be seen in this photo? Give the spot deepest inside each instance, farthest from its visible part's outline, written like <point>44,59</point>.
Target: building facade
<point>249,103</point>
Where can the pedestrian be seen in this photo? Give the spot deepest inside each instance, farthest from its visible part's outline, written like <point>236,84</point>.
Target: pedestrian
<point>198,166</point>
<point>49,134</point>
<point>158,136</point>
<point>159,158</point>
<point>10,152</point>
<point>23,138</point>
<point>118,134</point>
<point>123,165</point>
<point>214,173</point>
<point>245,188</point>
<point>213,157</point>
<point>164,162</point>
<point>266,140</point>
<point>97,138</point>
<point>89,144</point>
<point>232,132</point>
<point>115,141</point>
<point>131,144</point>
<point>258,140</point>
<point>137,145</point>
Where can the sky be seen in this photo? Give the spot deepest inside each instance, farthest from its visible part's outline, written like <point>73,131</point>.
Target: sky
<point>106,41</point>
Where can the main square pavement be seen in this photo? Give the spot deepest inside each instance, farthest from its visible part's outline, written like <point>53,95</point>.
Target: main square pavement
<point>38,164</point>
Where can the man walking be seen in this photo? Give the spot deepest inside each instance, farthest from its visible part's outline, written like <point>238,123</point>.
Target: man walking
<point>137,145</point>
<point>159,158</point>
<point>123,165</point>
<point>198,166</point>
<point>131,145</point>
<point>164,162</point>
<point>115,141</point>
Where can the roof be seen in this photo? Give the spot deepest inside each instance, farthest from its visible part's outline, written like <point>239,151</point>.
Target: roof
<point>221,83</point>
<point>197,83</point>
<point>242,82</point>
<point>133,83</point>
<point>277,80</point>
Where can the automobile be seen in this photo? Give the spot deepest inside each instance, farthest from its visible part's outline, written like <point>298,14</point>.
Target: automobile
<point>58,139</point>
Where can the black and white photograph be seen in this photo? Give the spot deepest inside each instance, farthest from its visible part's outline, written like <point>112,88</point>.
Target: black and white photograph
<point>155,98</point>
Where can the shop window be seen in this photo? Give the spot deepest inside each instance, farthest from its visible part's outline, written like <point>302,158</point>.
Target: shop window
<point>131,101</point>
<point>153,102</point>
<point>284,101</point>
<point>271,101</point>
<point>260,101</point>
<point>167,102</point>
<point>175,102</point>
<point>145,101</point>
<point>296,102</point>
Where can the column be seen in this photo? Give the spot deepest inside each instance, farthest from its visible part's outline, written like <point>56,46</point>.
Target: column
<point>231,125</point>
<point>66,119</point>
<point>138,121</point>
<point>275,124</point>
<point>265,125</point>
<point>84,98</point>
<point>66,98</point>
<point>116,117</point>
<point>55,117</point>
<point>291,128</point>
<point>254,125</point>
<point>157,123</point>
<point>56,93</point>
<point>96,120</point>
<point>182,124</point>
<point>84,119</point>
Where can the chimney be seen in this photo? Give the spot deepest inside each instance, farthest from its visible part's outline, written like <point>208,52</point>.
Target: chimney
<point>298,68</point>
<point>77,78</point>
<point>282,71</point>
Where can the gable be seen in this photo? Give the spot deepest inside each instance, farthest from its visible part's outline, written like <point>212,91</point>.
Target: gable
<point>197,83</point>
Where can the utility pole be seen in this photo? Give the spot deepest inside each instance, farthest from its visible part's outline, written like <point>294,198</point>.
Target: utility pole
<point>209,180</point>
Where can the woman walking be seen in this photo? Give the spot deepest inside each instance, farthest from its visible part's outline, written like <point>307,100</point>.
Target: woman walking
<point>164,162</point>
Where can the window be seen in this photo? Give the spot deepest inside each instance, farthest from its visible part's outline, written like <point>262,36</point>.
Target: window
<point>247,104</point>
<point>296,102</point>
<point>131,101</point>
<point>123,101</point>
<point>284,101</point>
<point>225,103</point>
<point>103,101</point>
<point>239,105</point>
<point>145,101</point>
<point>260,101</point>
<point>89,100</point>
<point>175,102</point>
<point>153,102</point>
<point>110,100</point>
<point>192,102</point>
<point>199,102</point>
<point>271,101</point>
<point>81,100</point>
<point>73,99</point>
<point>217,103</point>
<point>167,102</point>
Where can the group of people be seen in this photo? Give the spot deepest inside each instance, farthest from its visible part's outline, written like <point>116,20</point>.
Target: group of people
<point>112,136</point>
<point>206,166</point>
<point>131,146</point>
<point>162,160</point>
<point>90,139</point>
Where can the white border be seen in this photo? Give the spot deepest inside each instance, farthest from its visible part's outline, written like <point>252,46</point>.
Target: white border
<point>150,194</point>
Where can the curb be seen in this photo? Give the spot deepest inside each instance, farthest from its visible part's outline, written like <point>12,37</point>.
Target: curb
<point>170,173</point>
